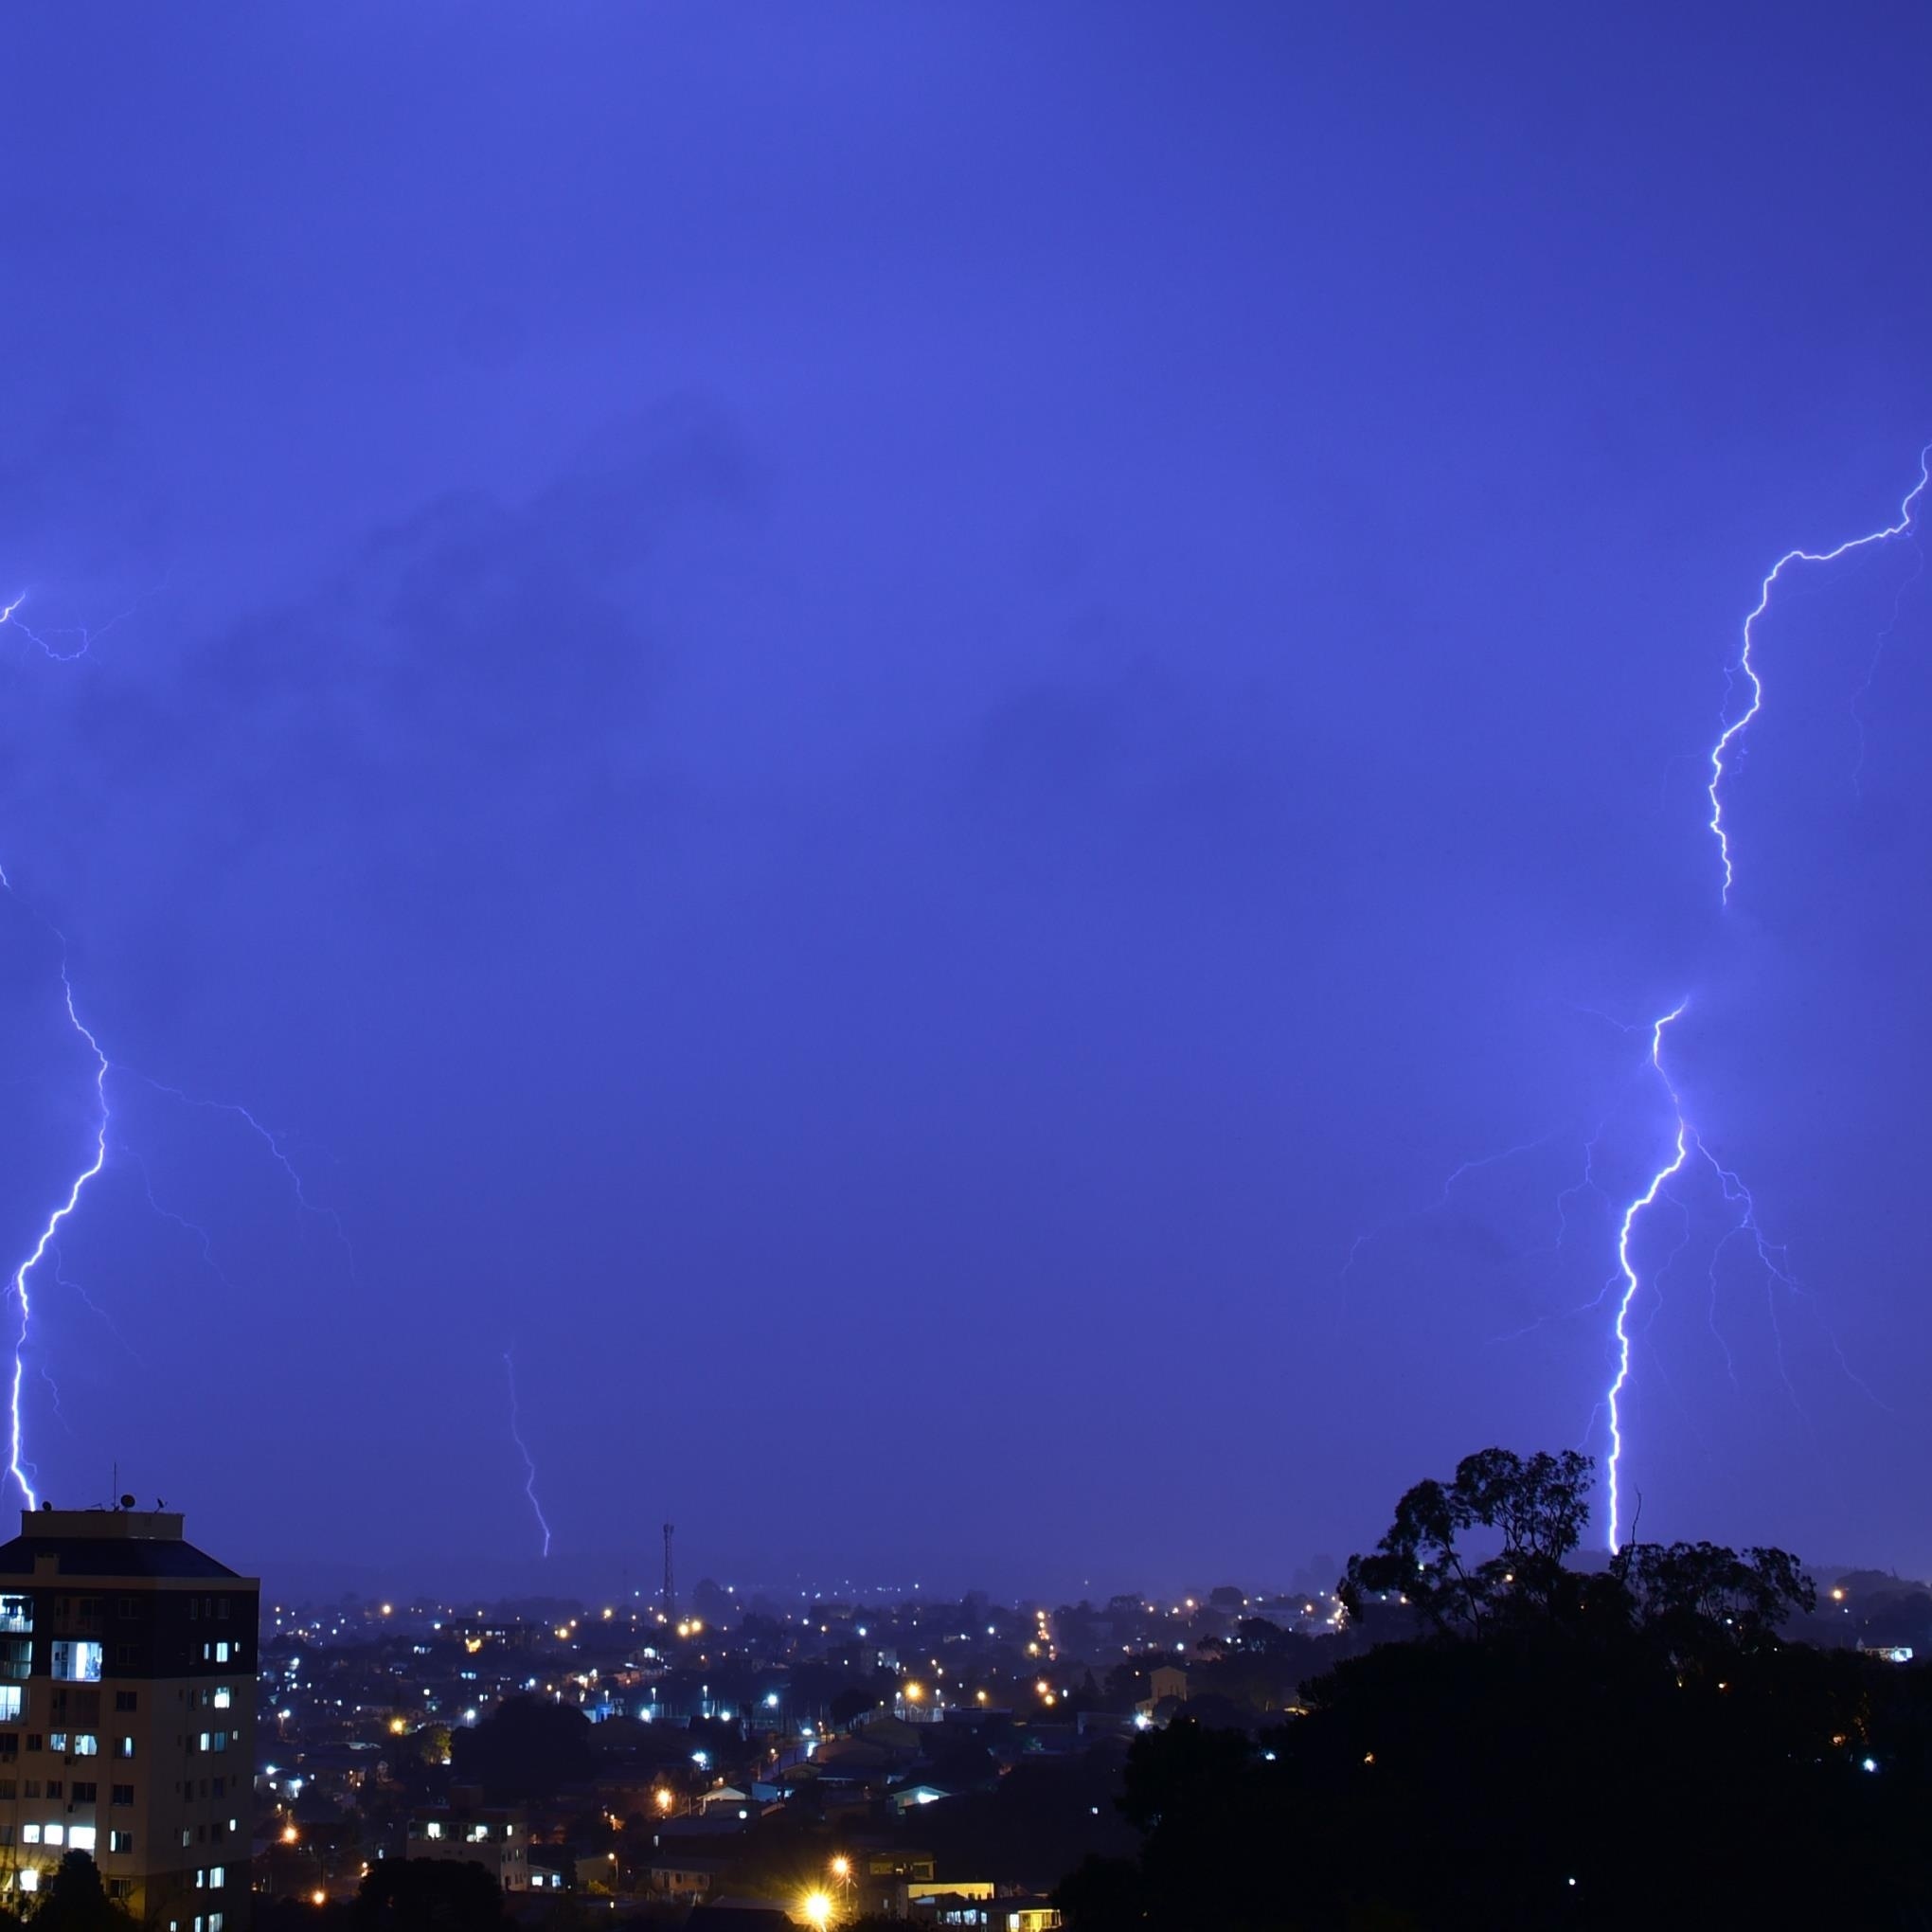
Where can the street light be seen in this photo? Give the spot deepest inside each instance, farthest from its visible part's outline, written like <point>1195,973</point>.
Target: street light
<point>819,1909</point>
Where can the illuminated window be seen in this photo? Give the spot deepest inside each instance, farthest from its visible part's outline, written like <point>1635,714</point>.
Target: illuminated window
<point>29,1879</point>
<point>57,1741</point>
<point>120,1841</point>
<point>218,1877</point>
<point>431,1829</point>
<point>12,1702</point>
<point>30,1835</point>
<point>54,1835</point>
<point>86,1745</point>
<point>76,1662</point>
<point>223,1697</point>
<point>82,1837</point>
<point>124,1747</point>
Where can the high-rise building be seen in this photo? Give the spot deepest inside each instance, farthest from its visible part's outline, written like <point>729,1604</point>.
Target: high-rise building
<point>126,1714</point>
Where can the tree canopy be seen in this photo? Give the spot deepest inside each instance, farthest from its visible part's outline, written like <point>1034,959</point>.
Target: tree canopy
<point>1550,1745</point>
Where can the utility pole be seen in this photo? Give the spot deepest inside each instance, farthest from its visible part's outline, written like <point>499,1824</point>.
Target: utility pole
<point>670,1587</point>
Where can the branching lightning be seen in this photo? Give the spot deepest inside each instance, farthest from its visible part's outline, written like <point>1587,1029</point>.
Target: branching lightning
<point>1771,1255</point>
<point>64,646</point>
<point>16,1465</point>
<point>1680,1153</point>
<point>1748,670</point>
<point>523,1450</point>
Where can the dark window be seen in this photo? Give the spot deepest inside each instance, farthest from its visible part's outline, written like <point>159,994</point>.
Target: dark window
<point>124,1653</point>
<point>130,1607</point>
<point>7,1789</point>
<point>221,1787</point>
<point>34,1741</point>
<point>85,1792</point>
<point>225,1610</point>
<point>123,1793</point>
<point>56,1787</point>
<point>121,1890</point>
<point>126,1700</point>
<point>32,1787</point>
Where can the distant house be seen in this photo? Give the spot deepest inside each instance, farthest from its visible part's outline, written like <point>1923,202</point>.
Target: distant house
<point>905,1797</point>
<point>738,1915</point>
<point>976,1902</point>
<point>551,1870</point>
<point>496,1837</point>
<point>678,1874</point>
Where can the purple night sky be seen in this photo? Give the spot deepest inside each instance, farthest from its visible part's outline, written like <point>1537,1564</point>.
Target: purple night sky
<point>866,723</point>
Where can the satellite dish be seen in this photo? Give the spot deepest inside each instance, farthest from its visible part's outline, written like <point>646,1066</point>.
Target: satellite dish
<point>127,1502</point>
<point>49,1507</point>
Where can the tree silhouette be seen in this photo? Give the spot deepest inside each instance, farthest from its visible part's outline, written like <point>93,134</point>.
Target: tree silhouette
<point>1556,1747</point>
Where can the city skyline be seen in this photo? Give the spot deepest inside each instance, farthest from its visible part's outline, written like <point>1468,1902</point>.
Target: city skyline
<point>940,792</point>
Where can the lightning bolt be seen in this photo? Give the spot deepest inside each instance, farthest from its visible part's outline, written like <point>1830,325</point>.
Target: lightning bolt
<point>1746,668</point>
<point>64,646</point>
<point>70,642</point>
<point>16,1463</point>
<point>1613,1396</point>
<point>523,1450</point>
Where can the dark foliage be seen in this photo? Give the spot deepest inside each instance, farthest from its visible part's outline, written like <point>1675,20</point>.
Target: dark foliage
<point>526,1748</point>
<point>1562,1748</point>
<point>74,1900</point>
<point>429,1895</point>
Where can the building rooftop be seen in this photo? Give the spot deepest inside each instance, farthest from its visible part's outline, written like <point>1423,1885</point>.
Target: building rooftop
<point>106,1543</point>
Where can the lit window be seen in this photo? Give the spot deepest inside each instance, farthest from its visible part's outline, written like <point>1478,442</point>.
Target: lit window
<point>222,1651</point>
<point>10,1695</point>
<point>218,1877</point>
<point>54,1835</point>
<point>204,1740</point>
<point>29,1879</point>
<point>76,1662</point>
<point>223,1697</point>
<point>86,1745</point>
<point>120,1841</point>
<point>57,1741</point>
<point>30,1835</point>
<point>214,1922</point>
<point>124,1749</point>
<point>431,1829</point>
<point>82,1837</point>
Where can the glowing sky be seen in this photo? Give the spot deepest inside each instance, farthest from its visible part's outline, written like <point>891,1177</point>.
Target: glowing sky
<point>865,723</point>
